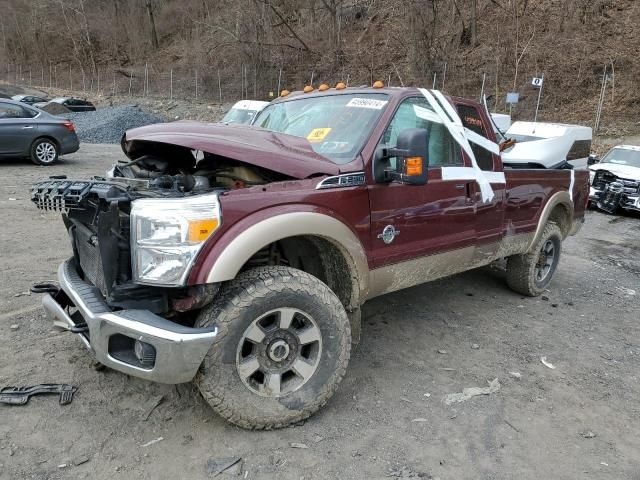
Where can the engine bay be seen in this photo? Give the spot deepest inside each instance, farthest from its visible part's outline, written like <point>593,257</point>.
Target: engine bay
<point>210,172</point>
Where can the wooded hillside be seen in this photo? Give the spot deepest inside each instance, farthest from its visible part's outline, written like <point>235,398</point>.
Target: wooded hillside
<point>248,43</point>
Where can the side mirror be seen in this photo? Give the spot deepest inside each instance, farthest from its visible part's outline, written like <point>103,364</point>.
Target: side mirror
<point>593,159</point>
<point>410,153</point>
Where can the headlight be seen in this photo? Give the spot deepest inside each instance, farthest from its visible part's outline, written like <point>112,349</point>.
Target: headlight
<point>592,175</point>
<point>167,234</point>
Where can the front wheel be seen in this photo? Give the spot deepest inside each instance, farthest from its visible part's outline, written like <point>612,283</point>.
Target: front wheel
<point>282,349</point>
<point>530,273</point>
<point>44,152</point>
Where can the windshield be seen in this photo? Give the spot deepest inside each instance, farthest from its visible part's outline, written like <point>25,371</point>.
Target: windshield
<point>623,156</point>
<point>337,126</point>
<point>236,115</point>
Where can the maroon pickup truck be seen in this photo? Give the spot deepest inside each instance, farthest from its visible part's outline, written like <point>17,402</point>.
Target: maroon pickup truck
<point>238,257</point>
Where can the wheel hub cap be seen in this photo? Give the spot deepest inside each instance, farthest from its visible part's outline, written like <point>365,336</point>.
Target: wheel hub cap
<point>279,352</point>
<point>545,261</point>
<point>45,152</point>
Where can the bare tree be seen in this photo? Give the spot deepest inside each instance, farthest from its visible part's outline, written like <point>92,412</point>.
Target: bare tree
<point>152,24</point>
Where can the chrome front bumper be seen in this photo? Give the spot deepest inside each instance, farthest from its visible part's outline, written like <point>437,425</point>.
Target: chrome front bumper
<point>179,350</point>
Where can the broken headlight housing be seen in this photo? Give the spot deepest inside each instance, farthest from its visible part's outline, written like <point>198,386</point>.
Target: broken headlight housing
<point>167,234</point>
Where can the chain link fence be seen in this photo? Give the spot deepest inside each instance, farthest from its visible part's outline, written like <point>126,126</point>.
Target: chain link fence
<point>154,81</point>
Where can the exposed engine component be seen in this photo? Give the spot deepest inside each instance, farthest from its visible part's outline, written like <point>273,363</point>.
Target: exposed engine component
<point>210,172</point>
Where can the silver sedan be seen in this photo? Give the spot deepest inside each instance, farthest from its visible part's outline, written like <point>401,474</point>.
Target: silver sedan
<point>28,132</point>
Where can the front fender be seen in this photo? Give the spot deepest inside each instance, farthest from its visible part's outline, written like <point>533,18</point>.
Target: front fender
<point>238,244</point>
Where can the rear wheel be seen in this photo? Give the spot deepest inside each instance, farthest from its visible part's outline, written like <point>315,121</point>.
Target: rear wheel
<point>44,152</point>
<point>530,273</point>
<point>282,349</point>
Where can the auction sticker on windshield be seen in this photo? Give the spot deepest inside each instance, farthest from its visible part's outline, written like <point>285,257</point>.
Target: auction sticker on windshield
<point>318,134</point>
<point>367,103</point>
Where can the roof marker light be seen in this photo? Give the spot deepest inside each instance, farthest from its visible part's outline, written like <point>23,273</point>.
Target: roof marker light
<point>323,87</point>
<point>340,86</point>
<point>378,84</point>
<point>308,89</point>
<point>284,93</point>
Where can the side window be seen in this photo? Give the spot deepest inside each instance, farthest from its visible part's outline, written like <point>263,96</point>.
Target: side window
<point>473,121</point>
<point>8,110</point>
<point>414,113</point>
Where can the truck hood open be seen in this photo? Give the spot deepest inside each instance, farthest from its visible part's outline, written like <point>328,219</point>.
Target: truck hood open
<point>286,154</point>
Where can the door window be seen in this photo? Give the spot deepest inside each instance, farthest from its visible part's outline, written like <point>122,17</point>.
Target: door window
<point>415,113</point>
<point>8,110</point>
<point>472,120</point>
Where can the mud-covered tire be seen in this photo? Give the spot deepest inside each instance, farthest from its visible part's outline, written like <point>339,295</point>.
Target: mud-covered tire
<point>522,270</point>
<point>44,151</point>
<point>240,302</point>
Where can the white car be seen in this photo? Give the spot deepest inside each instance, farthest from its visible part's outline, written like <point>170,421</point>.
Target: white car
<point>244,111</point>
<point>615,180</point>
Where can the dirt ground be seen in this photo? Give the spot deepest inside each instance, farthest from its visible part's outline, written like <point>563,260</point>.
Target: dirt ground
<point>388,418</point>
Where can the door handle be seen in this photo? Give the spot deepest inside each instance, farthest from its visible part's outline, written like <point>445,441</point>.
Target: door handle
<point>26,127</point>
<point>461,186</point>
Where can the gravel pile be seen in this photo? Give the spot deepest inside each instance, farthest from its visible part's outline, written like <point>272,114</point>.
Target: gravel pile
<point>108,124</point>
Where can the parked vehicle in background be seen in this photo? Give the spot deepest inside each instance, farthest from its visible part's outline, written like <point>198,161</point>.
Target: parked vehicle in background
<point>615,180</point>
<point>29,99</point>
<point>244,111</point>
<point>547,145</point>
<point>32,133</point>
<point>73,104</point>
<point>243,268</point>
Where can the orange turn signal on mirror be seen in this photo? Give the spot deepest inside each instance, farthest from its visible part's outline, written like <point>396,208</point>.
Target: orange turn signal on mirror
<point>413,166</point>
<point>200,230</point>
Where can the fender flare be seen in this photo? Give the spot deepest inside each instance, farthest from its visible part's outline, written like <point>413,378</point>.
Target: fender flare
<point>229,262</point>
<point>559,198</point>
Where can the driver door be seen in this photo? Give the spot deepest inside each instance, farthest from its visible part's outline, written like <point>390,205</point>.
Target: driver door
<point>428,219</point>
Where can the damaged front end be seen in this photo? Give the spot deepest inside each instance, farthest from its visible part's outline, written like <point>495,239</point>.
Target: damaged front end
<point>610,192</point>
<point>125,315</point>
<point>136,234</point>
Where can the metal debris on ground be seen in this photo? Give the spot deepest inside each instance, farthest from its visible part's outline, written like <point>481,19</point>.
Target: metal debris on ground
<point>298,445</point>
<point>467,393</point>
<point>588,434</point>
<point>21,395</point>
<point>216,466</point>
<point>419,420</point>
<point>517,375</point>
<point>547,364</point>
<point>151,442</point>
<point>14,327</point>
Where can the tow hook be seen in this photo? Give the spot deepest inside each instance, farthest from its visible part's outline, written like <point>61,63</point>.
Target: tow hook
<point>55,292</point>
